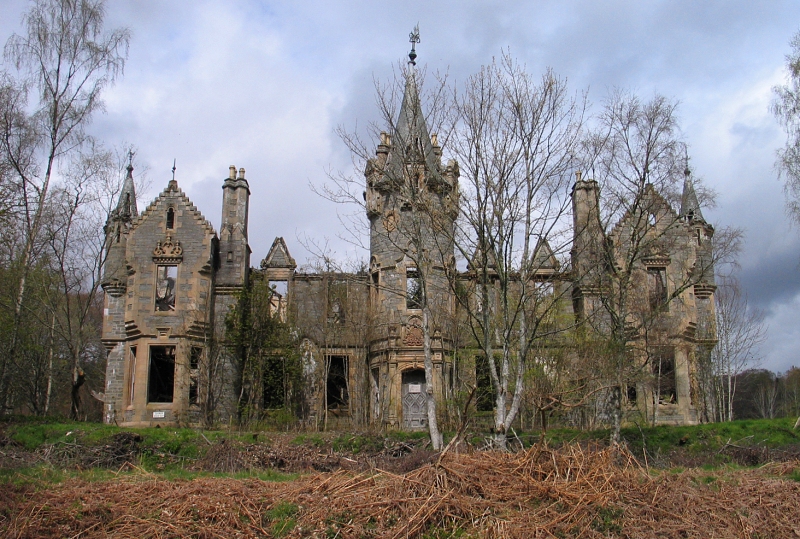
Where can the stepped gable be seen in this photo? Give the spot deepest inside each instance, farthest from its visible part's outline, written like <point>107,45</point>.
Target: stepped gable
<point>172,189</point>
<point>278,256</point>
<point>658,201</point>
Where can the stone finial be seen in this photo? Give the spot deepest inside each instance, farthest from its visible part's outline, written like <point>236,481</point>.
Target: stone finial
<point>241,173</point>
<point>578,174</point>
<point>232,174</point>
<point>434,139</point>
<point>386,140</point>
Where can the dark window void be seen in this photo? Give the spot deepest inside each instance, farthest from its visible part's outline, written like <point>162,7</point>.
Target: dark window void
<point>161,380</point>
<point>195,355</point>
<point>338,396</point>
<point>484,393</point>
<point>631,394</point>
<point>664,373</point>
<point>413,289</point>
<point>165,287</point>
<point>170,219</point>
<point>274,382</point>
<point>657,284</point>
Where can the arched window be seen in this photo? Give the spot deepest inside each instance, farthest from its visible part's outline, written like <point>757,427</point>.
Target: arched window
<point>170,219</point>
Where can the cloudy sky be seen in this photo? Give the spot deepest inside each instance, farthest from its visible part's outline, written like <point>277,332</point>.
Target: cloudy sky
<point>263,85</point>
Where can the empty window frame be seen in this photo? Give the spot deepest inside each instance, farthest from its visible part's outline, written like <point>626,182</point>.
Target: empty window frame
<point>195,358</point>
<point>131,375</point>
<point>170,219</point>
<point>484,394</point>
<point>274,380</point>
<point>337,299</point>
<point>161,375</point>
<point>663,365</point>
<point>166,277</point>
<point>657,286</point>
<point>279,291</point>
<point>413,288</point>
<point>336,383</point>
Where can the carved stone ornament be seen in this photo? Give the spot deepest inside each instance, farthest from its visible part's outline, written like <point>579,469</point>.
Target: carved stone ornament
<point>413,334</point>
<point>168,251</point>
<point>390,222</point>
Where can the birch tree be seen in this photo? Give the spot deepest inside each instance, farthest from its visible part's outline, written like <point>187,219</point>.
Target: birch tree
<point>740,330</point>
<point>67,58</point>
<point>515,138</point>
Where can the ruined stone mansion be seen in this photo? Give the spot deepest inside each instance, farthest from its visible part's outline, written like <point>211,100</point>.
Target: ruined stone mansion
<point>171,279</point>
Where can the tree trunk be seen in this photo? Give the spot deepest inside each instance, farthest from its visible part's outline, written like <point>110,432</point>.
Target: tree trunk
<point>78,379</point>
<point>430,396</point>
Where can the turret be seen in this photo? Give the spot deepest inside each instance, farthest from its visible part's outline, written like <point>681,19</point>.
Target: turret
<point>702,234</point>
<point>118,225</point>
<point>587,232</point>
<point>234,251</point>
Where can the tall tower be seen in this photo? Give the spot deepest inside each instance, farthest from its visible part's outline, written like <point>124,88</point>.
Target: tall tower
<point>587,247</point>
<point>701,236</point>
<point>115,284</point>
<point>411,205</point>
<point>232,274</point>
<point>233,248</point>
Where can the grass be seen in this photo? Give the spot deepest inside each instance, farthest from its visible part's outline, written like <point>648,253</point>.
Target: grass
<point>282,518</point>
<point>694,439</point>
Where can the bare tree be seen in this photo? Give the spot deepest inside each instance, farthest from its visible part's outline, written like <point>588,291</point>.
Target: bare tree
<point>514,138</point>
<point>68,57</point>
<point>786,108</point>
<point>740,330</point>
<point>637,156</point>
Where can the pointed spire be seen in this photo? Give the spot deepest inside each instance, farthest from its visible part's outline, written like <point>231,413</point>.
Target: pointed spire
<point>690,207</point>
<point>126,207</point>
<point>411,141</point>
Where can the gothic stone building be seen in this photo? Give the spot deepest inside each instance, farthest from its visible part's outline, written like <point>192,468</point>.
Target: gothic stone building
<point>170,280</point>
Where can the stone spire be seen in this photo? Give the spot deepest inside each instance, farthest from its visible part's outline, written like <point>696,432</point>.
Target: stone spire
<point>690,207</point>
<point>126,207</point>
<point>117,227</point>
<point>411,142</point>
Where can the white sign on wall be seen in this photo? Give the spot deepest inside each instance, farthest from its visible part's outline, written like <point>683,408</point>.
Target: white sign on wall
<point>158,414</point>
<point>415,388</point>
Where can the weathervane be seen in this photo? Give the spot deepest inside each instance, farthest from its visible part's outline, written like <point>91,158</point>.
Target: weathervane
<point>173,168</point>
<point>413,38</point>
<point>130,159</point>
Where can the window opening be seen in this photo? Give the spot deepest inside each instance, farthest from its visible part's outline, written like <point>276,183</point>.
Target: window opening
<point>195,355</point>
<point>170,219</point>
<point>338,396</point>
<point>165,287</point>
<point>278,299</point>
<point>337,295</point>
<point>161,378</point>
<point>229,258</point>
<point>131,375</point>
<point>631,394</point>
<point>413,289</point>
<point>376,393</point>
<point>657,284</point>
<point>544,288</point>
<point>664,373</point>
<point>274,382</point>
<point>485,395</point>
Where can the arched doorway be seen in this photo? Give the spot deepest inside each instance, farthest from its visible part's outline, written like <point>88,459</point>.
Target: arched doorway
<point>415,414</point>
